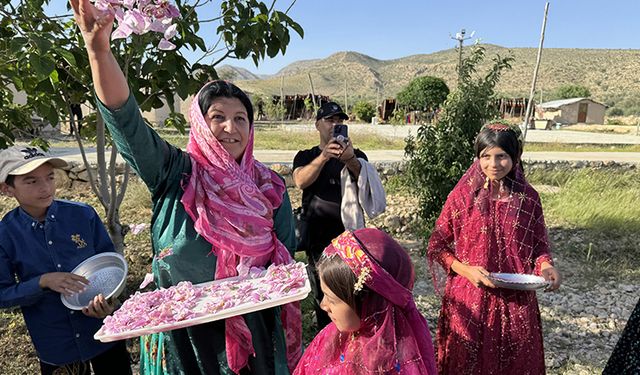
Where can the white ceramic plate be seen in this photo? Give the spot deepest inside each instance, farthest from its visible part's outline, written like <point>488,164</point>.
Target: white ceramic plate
<point>518,281</point>
<point>222,314</point>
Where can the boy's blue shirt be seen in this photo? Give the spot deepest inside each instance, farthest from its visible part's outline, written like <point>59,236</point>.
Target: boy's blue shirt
<point>71,233</point>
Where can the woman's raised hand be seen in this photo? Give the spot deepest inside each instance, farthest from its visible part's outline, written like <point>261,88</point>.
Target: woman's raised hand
<point>95,25</point>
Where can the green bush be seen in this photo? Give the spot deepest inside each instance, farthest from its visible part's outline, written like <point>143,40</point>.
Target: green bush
<point>399,117</point>
<point>273,110</point>
<point>572,91</point>
<point>440,154</point>
<point>423,93</point>
<point>364,111</point>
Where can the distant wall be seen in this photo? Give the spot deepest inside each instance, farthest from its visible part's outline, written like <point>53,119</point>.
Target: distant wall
<point>76,176</point>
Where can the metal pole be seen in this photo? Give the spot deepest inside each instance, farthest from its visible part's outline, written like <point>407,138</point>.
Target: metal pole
<point>313,93</point>
<point>282,98</point>
<point>460,41</point>
<point>535,75</point>
<point>346,102</point>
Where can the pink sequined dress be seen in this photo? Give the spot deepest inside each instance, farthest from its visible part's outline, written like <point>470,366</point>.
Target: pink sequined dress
<point>484,330</point>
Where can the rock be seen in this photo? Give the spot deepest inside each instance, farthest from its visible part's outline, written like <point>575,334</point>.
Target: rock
<point>392,222</point>
<point>78,168</point>
<point>281,169</point>
<point>80,185</point>
<point>83,176</point>
<point>62,179</point>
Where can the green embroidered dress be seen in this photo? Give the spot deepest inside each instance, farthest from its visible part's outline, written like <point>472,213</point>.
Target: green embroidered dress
<point>181,254</point>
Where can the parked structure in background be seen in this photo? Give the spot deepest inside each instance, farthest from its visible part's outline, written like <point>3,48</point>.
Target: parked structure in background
<point>572,111</point>
<point>512,107</point>
<point>295,106</point>
<point>385,109</point>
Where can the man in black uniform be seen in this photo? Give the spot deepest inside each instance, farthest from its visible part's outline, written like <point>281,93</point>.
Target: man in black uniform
<point>317,172</point>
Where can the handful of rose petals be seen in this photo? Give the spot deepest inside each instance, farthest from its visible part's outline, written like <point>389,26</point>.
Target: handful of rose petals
<point>186,301</point>
<point>141,16</point>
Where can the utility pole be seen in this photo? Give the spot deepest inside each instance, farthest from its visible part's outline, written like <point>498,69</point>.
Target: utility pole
<point>346,102</point>
<point>313,94</point>
<point>535,76</point>
<point>282,98</point>
<point>460,37</point>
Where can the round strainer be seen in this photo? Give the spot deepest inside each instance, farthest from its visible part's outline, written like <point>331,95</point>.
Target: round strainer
<point>106,272</point>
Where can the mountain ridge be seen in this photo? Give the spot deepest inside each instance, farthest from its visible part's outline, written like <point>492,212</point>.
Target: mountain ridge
<point>612,75</point>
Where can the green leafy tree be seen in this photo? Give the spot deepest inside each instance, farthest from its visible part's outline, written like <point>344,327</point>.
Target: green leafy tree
<point>274,110</point>
<point>309,107</point>
<point>364,110</point>
<point>46,60</point>
<point>423,93</point>
<point>572,91</point>
<point>440,154</point>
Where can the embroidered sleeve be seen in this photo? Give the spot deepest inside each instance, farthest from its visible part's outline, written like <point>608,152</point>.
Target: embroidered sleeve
<point>442,242</point>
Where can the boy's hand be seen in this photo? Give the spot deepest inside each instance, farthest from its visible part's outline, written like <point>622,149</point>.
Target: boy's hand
<point>63,282</point>
<point>99,307</point>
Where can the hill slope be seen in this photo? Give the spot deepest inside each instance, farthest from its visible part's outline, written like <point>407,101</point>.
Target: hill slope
<point>613,76</point>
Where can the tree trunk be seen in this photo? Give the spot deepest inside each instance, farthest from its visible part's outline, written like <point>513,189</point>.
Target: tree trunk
<point>116,231</point>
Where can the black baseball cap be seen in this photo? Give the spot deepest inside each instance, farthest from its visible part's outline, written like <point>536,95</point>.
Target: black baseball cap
<point>331,109</point>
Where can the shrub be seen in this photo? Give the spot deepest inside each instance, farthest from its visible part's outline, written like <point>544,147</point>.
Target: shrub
<point>423,93</point>
<point>572,91</point>
<point>439,154</point>
<point>364,111</point>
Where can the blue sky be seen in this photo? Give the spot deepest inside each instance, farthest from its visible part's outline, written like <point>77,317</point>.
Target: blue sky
<point>393,29</point>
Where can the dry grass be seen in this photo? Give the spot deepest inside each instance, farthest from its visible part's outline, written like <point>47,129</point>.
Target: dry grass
<point>613,129</point>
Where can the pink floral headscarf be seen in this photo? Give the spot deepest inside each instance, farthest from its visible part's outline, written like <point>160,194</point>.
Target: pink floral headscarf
<point>393,337</point>
<point>232,206</point>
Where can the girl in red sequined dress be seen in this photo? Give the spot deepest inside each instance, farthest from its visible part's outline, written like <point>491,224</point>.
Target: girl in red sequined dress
<point>491,222</point>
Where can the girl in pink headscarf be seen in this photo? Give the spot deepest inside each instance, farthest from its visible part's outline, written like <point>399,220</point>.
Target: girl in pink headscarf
<point>367,279</point>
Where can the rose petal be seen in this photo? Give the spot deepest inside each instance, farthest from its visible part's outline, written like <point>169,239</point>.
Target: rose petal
<point>123,31</point>
<point>171,31</point>
<point>166,45</point>
<point>148,279</point>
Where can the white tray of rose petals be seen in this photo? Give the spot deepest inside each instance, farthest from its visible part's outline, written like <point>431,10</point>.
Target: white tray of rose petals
<point>184,305</point>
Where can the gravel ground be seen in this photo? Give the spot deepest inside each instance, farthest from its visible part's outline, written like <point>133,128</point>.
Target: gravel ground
<point>581,325</point>
<point>581,321</point>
